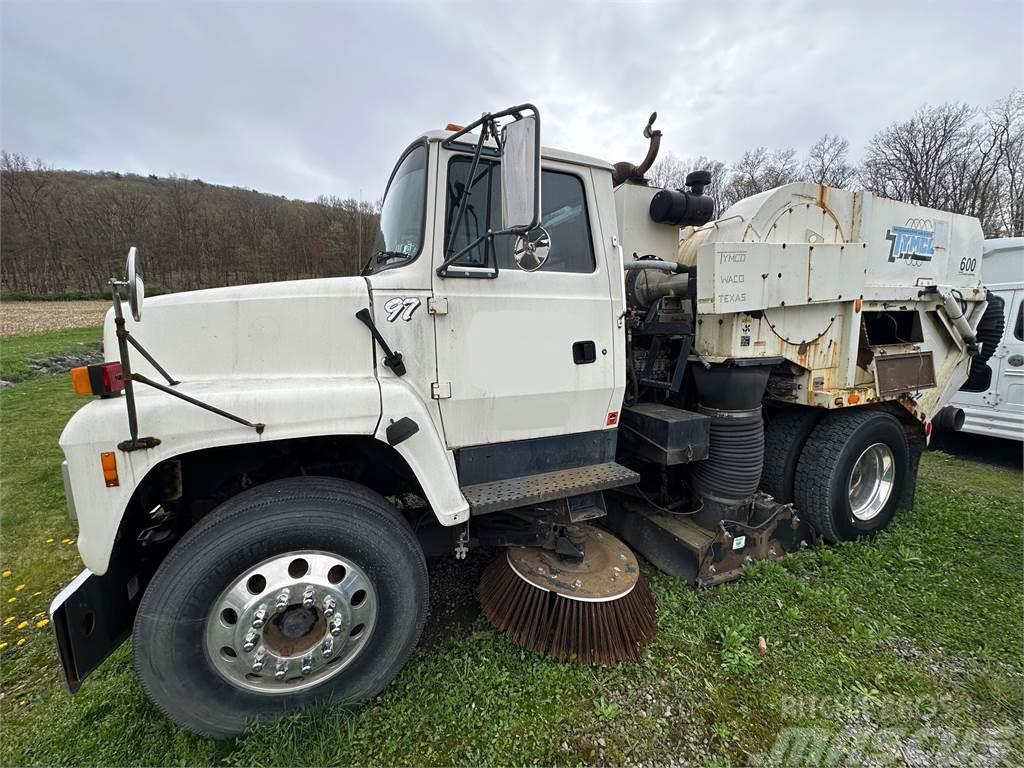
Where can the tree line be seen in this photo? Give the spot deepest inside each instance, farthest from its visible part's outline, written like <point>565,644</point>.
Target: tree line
<point>953,157</point>
<point>67,232</point>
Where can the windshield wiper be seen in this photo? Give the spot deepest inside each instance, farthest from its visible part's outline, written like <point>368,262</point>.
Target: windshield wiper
<point>380,257</point>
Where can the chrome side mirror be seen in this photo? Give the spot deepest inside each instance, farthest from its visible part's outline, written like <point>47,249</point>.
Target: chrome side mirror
<point>520,174</point>
<point>532,249</point>
<point>136,284</point>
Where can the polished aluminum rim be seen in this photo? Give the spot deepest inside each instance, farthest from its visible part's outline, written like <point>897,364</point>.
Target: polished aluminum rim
<point>871,481</point>
<point>291,622</point>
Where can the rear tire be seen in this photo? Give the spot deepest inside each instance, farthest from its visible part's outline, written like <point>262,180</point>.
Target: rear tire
<point>320,520</point>
<point>784,439</point>
<point>851,473</point>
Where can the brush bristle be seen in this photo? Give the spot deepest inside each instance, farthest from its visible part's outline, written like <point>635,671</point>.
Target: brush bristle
<point>602,633</point>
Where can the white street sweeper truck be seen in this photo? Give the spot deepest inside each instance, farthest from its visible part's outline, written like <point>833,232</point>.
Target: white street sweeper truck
<point>546,356</point>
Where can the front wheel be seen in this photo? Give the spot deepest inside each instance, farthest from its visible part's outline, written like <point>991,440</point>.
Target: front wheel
<point>298,592</point>
<point>851,473</point>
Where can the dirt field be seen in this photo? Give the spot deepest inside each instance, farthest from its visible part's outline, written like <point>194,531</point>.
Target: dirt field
<point>30,316</point>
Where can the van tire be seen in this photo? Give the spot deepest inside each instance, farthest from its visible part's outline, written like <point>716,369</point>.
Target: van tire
<point>264,524</point>
<point>826,468</point>
<point>784,439</point>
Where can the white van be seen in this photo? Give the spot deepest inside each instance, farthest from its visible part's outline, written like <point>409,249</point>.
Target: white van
<point>998,410</point>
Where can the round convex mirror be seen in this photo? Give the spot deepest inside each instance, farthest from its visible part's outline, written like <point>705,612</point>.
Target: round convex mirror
<point>531,250</point>
<point>136,285</point>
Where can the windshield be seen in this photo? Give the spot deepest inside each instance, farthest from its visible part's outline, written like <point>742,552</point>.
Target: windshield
<point>400,235</point>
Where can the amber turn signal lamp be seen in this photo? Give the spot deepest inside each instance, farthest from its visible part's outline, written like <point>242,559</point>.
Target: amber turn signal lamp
<point>454,127</point>
<point>80,381</point>
<point>853,399</point>
<point>108,460</point>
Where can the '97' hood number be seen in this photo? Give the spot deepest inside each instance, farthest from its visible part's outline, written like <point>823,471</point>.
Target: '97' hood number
<point>401,307</point>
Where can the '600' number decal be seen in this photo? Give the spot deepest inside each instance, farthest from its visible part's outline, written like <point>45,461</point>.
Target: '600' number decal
<point>401,307</point>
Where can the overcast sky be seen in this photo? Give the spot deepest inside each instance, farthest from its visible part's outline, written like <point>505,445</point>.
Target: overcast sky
<point>302,99</point>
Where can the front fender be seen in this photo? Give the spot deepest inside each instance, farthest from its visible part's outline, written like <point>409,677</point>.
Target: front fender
<point>290,408</point>
<point>425,452</point>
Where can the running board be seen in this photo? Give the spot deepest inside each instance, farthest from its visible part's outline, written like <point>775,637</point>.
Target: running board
<point>546,486</point>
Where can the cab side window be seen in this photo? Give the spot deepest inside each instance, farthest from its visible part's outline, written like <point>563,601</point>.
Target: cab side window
<point>1018,328</point>
<point>563,215</point>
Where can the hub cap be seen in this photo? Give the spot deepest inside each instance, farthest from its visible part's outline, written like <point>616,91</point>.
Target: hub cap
<point>291,622</point>
<point>871,481</point>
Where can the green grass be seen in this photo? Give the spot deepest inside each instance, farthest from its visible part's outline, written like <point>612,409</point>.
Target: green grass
<point>16,351</point>
<point>921,627</point>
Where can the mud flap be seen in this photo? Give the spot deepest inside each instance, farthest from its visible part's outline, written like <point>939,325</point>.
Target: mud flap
<point>91,617</point>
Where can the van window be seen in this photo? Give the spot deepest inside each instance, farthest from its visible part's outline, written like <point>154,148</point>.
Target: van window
<point>563,215</point>
<point>1018,328</point>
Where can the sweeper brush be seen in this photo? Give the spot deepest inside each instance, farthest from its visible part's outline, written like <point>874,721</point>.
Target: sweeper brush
<point>598,610</point>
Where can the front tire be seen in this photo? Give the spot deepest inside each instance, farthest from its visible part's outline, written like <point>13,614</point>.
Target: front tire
<point>851,473</point>
<point>302,591</point>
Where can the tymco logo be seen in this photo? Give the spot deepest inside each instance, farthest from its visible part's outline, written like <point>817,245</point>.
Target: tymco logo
<point>913,243</point>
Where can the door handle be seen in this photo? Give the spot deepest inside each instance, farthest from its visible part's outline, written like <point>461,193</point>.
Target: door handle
<point>584,352</point>
<point>1016,360</point>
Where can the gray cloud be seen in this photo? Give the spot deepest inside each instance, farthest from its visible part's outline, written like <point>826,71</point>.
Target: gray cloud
<point>301,99</point>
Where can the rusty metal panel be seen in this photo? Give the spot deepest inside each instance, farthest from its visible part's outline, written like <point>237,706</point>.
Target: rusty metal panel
<point>904,373</point>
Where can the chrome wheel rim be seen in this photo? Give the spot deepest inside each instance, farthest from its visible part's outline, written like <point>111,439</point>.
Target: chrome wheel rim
<point>291,622</point>
<point>871,481</point>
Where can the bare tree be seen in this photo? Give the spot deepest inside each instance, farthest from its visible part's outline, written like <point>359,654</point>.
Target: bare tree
<point>760,169</point>
<point>921,160</point>
<point>1006,123</point>
<point>827,162</point>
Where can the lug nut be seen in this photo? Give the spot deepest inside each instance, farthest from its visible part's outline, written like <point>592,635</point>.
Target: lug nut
<point>283,598</point>
<point>257,662</point>
<point>307,664</point>
<point>329,606</point>
<point>250,640</point>
<point>336,626</point>
<point>307,597</point>
<point>327,647</point>
<point>281,670</point>
<point>260,617</point>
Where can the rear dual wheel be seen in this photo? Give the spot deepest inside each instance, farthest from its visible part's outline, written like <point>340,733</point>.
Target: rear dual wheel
<point>298,592</point>
<point>851,473</point>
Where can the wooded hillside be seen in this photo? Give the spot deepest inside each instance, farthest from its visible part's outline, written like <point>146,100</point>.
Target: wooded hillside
<point>68,231</point>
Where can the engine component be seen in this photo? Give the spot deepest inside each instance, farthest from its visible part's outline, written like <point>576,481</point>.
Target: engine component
<point>685,209</point>
<point>597,610</point>
<point>646,286</point>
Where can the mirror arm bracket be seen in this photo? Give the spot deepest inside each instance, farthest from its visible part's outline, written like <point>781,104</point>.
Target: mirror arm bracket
<point>124,338</point>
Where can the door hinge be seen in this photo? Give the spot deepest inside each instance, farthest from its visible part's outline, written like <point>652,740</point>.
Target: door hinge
<point>437,306</point>
<point>441,390</point>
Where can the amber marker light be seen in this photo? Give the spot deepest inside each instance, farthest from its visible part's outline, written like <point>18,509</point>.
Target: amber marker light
<point>108,460</point>
<point>80,381</point>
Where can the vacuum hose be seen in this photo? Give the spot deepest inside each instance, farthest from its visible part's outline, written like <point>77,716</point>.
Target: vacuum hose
<point>725,483</point>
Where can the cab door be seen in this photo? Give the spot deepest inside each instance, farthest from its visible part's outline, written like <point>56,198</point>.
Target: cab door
<point>523,355</point>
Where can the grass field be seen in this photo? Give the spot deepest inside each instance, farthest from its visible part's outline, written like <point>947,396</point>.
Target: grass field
<point>910,646</point>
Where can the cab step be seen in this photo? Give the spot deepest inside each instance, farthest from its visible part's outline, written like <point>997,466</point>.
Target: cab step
<point>546,486</point>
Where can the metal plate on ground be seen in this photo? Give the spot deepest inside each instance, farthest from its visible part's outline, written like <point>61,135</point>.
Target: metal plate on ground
<point>546,486</point>
<point>608,570</point>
